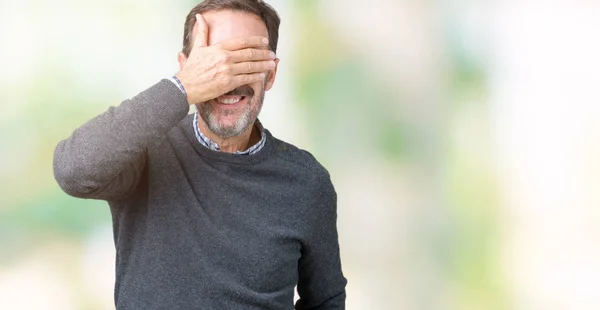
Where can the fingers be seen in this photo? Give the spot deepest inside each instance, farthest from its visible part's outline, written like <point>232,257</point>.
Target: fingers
<point>244,79</point>
<point>252,67</point>
<point>201,38</point>
<point>236,44</point>
<point>251,54</point>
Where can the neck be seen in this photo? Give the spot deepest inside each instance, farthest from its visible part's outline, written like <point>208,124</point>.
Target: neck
<point>231,145</point>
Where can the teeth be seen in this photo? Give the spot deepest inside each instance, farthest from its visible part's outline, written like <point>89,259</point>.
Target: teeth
<point>230,100</point>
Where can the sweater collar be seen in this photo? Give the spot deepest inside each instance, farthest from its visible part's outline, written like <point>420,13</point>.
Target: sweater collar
<point>187,126</point>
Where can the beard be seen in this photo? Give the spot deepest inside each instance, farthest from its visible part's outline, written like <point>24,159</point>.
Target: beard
<point>247,116</point>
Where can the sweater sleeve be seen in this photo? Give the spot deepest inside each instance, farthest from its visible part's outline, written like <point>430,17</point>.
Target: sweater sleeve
<point>104,158</point>
<point>321,283</point>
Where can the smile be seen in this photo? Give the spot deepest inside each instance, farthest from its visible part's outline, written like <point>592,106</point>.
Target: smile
<point>229,100</point>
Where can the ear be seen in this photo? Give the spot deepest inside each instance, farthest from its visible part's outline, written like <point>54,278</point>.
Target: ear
<point>181,58</point>
<point>272,75</point>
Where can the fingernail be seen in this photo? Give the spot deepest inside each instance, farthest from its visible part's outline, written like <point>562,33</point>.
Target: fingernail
<point>272,55</point>
<point>262,75</point>
<point>197,16</point>
<point>265,41</point>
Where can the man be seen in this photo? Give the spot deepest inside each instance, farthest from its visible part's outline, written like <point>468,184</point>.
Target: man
<point>210,211</point>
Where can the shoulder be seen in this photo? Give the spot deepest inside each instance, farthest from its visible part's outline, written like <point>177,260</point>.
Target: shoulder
<point>294,155</point>
<point>317,191</point>
<point>303,164</point>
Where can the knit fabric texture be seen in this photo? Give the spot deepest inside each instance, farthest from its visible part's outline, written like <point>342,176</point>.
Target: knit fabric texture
<point>200,229</point>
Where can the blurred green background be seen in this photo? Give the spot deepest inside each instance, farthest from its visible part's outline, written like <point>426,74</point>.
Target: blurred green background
<point>463,139</point>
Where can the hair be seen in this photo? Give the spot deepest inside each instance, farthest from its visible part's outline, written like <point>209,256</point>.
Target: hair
<point>257,7</point>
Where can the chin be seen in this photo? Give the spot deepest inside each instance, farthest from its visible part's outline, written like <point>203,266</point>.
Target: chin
<point>229,129</point>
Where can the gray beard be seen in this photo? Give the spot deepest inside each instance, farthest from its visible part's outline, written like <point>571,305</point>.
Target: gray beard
<point>242,124</point>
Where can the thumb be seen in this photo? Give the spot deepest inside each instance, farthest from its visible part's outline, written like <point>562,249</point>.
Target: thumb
<point>201,31</point>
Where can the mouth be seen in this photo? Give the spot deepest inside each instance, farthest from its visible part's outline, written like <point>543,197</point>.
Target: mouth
<point>231,101</point>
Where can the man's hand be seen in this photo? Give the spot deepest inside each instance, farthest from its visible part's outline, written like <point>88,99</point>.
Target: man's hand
<point>211,71</point>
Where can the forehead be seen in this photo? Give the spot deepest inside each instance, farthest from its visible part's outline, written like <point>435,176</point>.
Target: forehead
<point>223,25</point>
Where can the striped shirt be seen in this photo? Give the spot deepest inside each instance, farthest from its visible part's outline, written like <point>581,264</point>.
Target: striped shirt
<point>212,145</point>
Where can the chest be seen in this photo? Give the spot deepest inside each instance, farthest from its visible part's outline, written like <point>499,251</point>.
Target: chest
<point>227,226</point>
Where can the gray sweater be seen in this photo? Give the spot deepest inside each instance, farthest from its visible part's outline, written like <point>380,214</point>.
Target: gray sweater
<point>199,229</point>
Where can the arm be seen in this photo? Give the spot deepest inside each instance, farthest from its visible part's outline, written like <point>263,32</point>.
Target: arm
<point>321,283</point>
<point>104,158</point>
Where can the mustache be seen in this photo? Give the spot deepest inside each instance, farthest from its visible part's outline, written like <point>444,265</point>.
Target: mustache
<point>243,90</point>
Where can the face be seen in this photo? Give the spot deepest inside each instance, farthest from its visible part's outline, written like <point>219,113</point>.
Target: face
<point>234,113</point>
